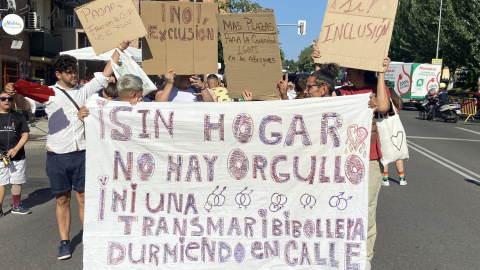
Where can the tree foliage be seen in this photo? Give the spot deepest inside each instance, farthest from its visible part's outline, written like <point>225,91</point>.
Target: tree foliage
<point>416,29</point>
<point>238,5</point>
<point>305,62</point>
<point>290,66</point>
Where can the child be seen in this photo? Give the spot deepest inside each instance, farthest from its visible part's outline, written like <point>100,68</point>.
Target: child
<point>13,136</point>
<point>398,103</point>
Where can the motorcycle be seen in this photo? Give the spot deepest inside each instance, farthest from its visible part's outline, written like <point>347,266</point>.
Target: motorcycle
<point>449,111</point>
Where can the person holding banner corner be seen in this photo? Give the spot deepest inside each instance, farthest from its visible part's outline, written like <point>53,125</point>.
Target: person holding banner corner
<point>65,145</point>
<point>364,81</point>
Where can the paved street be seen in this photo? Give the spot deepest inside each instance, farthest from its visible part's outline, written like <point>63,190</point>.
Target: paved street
<point>432,223</point>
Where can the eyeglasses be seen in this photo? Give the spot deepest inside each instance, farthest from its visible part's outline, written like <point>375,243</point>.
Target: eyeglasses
<point>3,99</point>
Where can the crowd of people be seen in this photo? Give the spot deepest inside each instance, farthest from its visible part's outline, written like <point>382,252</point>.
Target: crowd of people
<point>65,146</point>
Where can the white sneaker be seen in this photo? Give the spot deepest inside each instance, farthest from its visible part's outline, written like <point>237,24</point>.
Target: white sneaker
<point>403,182</point>
<point>385,183</point>
<point>368,265</point>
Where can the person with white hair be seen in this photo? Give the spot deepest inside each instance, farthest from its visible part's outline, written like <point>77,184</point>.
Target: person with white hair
<point>130,88</point>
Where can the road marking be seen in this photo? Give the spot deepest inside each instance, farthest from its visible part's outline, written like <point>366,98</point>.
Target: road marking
<point>468,130</point>
<point>448,139</point>
<point>439,160</point>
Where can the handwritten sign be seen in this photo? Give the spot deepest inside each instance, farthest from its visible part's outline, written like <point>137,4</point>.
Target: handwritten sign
<point>181,36</point>
<point>107,23</point>
<point>251,53</point>
<point>357,33</point>
<point>233,186</point>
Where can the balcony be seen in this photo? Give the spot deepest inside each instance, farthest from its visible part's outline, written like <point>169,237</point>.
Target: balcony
<point>43,44</point>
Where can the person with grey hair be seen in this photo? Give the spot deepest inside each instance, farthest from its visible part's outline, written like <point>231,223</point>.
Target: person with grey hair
<point>130,88</point>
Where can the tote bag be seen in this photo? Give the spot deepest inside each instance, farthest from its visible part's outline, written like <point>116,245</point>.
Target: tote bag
<point>129,66</point>
<point>393,139</point>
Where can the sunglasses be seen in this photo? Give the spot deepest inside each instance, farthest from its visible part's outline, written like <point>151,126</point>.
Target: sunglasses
<point>10,99</point>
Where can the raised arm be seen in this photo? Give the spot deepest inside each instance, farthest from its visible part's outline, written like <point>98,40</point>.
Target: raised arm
<point>316,55</point>
<point>282,87</point>
<point>20,100</point>
<point>108,71</point>
<point>383,102</point>
<point>197,83</point>
<point>164,95</point>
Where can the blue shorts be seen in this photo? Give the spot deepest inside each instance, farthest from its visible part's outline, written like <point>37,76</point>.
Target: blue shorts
<point>65,171</point>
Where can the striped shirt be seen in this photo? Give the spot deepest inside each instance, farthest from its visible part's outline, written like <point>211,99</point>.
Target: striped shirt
<point>65,130</point>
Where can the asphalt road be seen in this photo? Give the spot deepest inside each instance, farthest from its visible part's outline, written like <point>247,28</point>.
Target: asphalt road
<point>431,223</point>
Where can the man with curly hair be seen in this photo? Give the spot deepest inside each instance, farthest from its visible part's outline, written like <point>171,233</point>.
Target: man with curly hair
<point>65,146</point>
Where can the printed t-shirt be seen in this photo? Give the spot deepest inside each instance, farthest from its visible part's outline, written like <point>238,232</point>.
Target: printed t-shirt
<point>12,125</point>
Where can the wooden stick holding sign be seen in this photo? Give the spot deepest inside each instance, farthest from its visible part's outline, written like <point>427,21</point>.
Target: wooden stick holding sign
<point>107,23</point>
<point>357,33</point>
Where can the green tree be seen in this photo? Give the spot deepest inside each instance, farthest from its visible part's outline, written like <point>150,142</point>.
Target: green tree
<point>415,31</point>
<point>461,38</point>
<point>415,34</point>
<point>238,5</point>
<point>290,66</point>
<point>305,62</point>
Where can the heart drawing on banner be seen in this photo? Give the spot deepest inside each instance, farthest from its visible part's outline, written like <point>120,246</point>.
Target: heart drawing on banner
<point>397,140</point>
<point>102,103</point>
<point>356,135</point>
<point>103,179</point>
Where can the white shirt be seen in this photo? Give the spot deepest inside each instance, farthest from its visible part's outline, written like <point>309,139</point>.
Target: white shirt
<point>188,95</point>
<point>65,130</point>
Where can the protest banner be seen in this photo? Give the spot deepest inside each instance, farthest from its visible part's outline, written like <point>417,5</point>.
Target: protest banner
<point>251,53</point>
<point>227,185</point>
<point>107,23</point>
<point>181,36</point>
<point>357,33</point>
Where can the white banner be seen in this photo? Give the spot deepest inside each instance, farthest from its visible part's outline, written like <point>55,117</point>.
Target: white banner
<point>247,185</point>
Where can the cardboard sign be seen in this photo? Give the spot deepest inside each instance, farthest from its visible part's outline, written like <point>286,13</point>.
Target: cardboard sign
<point>357,33</point>
<point>245,185</point>
<point>251,52</point>
<point>107,23</point>
<point>181,36</point>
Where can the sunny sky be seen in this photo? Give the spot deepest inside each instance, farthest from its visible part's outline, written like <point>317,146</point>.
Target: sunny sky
<point>289,12</point>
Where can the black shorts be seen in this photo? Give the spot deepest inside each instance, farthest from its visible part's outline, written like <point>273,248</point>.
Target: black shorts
<point>65,171</point>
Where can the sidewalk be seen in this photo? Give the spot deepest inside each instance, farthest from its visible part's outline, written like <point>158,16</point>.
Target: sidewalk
<point>38,134</point>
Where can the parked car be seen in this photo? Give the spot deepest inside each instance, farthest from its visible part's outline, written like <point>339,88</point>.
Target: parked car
<point>461,95</point>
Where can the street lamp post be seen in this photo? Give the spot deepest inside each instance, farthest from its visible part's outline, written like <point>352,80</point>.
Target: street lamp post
<point>439,24</point>
<point>302,27</point>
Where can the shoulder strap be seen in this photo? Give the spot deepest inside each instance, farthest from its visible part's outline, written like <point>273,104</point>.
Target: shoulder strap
<point>69,97</point>
<point>337,92</point>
